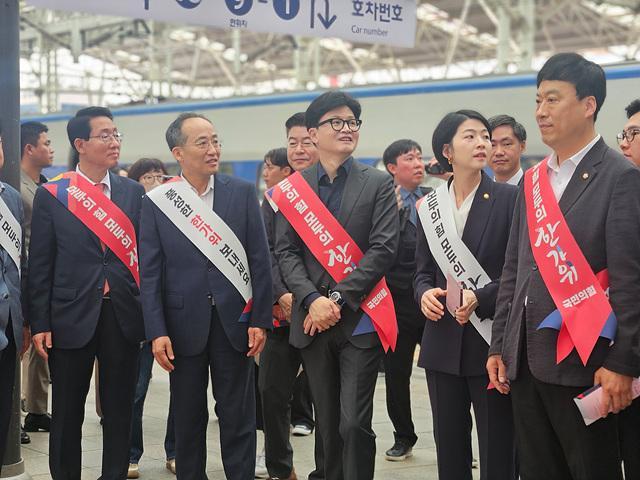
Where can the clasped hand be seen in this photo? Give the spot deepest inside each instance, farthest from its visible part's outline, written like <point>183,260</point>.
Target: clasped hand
<point>323,314</point>
<point>433,309</point>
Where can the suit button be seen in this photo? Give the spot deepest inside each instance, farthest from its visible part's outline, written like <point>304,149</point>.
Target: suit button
<point>104,262</point>
<point>5,296</point>
<point>534,268</point>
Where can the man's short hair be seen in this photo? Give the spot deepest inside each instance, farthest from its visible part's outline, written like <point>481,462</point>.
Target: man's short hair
<point>507,120</point>
<point>397,148</point>
<point>587,77</point>
<point>295,120</point>
<point>30,133</point>
<point>278,157</point>
<point>633,108</point>
<point>80,125</point>
<point>329,101</point>
<point>446,130</point>
<point>174,135</point>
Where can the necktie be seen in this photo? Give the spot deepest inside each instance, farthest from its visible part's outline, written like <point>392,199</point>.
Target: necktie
<point>101,186</point>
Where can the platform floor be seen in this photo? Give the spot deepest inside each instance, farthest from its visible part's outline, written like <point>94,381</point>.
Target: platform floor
<point>422,465</point>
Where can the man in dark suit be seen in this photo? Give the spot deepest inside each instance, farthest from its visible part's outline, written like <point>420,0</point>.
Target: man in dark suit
<point>598,195</point>
<point>194,313</point>
<point>83,303</point>
<point>37,154</point>
<point>342,364</point>
<point>403,160</point>
<point>14,337</point>
<point>281,383</point>
<point>509,141</point>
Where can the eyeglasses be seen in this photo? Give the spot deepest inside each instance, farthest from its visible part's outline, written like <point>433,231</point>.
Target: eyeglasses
<point>304,144</point>
<point>204,144</point>
<point>159,178</point>
<point>629,135</point>
<point>337,124</point>
<point>109,137</point>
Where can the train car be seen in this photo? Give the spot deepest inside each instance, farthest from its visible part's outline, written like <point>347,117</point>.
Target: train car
<point>250,126</point>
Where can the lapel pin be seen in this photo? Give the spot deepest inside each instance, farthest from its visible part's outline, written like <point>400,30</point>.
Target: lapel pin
<point>585,175</point>
<point>485,196</point>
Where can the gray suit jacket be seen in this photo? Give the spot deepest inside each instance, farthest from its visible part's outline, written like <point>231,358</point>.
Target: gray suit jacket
<point>369,214</point>
<point>601,205</point>
<point>10,306</point>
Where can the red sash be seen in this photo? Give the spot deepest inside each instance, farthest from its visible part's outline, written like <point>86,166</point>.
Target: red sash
<point>100,215</point>
<point>575,290</point>
<point>334,248</point>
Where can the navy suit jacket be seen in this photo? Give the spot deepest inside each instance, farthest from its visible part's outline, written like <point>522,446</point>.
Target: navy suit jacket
<point>67,268</point>
<point>10,306</point>
<point>177,280</point>
<point>446,345</point>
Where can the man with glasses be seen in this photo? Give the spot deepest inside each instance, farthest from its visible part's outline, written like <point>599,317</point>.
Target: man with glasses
<point>83,293</point>
<point>508,139</point>
<point>356,217</point>
<point>206,297</point>
<point>629,138</point>
<point>629,422</point>
<point>280,382</point>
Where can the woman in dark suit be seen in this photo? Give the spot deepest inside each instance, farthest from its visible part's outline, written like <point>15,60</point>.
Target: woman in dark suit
<point>453,351</point>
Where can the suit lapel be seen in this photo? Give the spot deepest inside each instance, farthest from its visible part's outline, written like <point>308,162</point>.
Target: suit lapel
<point>311,176</point>
<point>221,195</point>
<point>356,180</point>
<point>479,214</point>
<point>582,177</point>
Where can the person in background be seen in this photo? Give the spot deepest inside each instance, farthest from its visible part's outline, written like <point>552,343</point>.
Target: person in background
<point>509,140</point>
<point>149,172</point>
<point>36,154</point>
<point>403,160</point>
<point>629,422</point>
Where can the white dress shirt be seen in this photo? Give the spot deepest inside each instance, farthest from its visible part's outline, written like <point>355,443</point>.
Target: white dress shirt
<point>516,178</point>
<point>461,214</point>
<point>106,182</point>
<point>560,175</point>
<point>207,196</point>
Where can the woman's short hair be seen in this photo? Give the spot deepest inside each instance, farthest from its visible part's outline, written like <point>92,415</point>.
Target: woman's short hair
<point>446,130</point>
<point>144,166</point>
<point>278,157</point>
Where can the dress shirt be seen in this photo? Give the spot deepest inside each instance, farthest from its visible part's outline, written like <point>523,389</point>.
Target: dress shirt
<point>207,196</point>
<point>560,175</point>
<point>106,182</point>
<point>515,180</point>
<point>409,200</point>
<point>460,214</point>
<point>330,194</point>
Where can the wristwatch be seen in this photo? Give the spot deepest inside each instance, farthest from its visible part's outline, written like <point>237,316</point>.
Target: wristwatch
<point>336,297</point>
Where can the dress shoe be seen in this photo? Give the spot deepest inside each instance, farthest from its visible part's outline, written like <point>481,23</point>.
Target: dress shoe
<point>37,422</point>
<point>133,471</point>
<point>293,476</point>
<point>24,437</point>
<point>301,430</point>
<point>171,465</point>
<point>398,453</point>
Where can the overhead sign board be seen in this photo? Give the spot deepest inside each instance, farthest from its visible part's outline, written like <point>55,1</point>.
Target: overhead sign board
<point>390,22</point>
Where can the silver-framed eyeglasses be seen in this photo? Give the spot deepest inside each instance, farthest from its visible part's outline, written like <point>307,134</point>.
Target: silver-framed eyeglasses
<point>150,178</point>
<point>629,135</point>
<point>337,124</point>
<point>204,144</point>
<point>109,137</point>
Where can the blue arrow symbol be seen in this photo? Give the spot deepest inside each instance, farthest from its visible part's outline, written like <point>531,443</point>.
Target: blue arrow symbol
<point>326,20</point>
<point>188,4</point>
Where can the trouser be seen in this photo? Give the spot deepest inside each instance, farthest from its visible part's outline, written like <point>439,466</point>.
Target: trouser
<point>35,382</point>
<point>8,358</point>
<point>70,379</point>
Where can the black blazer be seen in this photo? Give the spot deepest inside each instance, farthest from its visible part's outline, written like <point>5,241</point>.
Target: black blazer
<point>67,269</point>
<point>446,345</point>
<point>269,217</point>
<point>601,205</point>
<point>369,214</point>
<point>177,279</point>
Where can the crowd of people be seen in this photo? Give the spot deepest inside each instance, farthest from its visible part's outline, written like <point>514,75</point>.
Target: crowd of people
<point>520,289</point>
